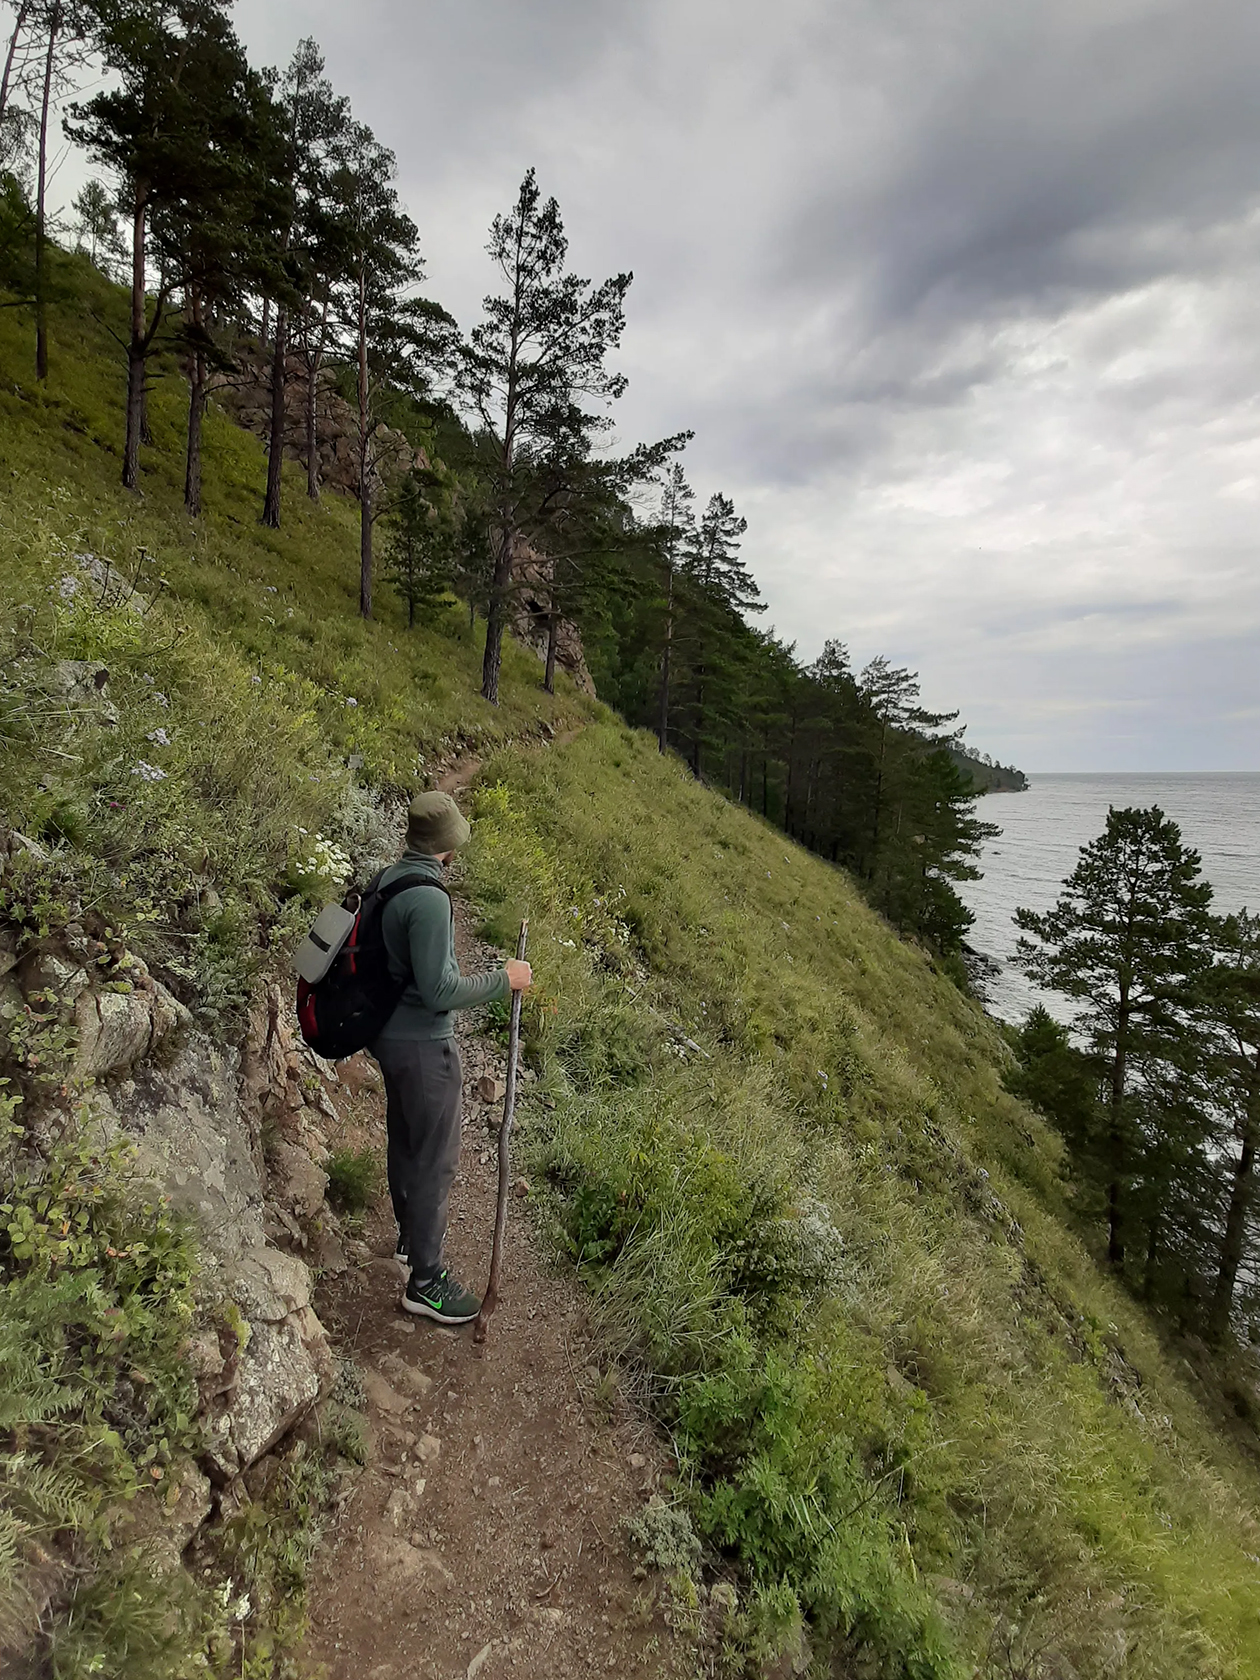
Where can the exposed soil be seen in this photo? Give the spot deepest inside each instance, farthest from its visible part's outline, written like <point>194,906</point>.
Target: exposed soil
<point>484,1535</point>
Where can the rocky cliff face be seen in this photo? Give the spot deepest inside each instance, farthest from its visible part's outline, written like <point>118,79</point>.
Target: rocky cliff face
<point>247,399</point>
<point>233,1136</point>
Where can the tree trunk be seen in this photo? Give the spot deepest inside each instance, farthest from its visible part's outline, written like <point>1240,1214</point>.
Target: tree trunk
<point>314,361</point>
<point>16,36</point>
<point>312,440</point>
<point>662,727</point>
<point>553,627</point>
<point>196,412</point>
<point>265,329</point>
<point>365,465</point>
<point>1115,1244</point>
<point>496,618</point>
<point>790,790</point>
<point>41,217</point>
<point>1235,1225</point>
<point>275,435</point>
<point>1152,1256</point>
<point>137,348</point>
<point>699,726</point>
<point>365,539</point>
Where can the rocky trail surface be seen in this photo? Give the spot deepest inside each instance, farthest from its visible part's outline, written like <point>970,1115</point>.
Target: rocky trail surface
<point>485,1534</point>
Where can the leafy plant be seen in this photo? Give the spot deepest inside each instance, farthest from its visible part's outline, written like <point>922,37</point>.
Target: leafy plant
<point>353,1178</point>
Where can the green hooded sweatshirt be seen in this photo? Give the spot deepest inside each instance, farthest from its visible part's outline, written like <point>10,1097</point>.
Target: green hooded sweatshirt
<point>419,939</point>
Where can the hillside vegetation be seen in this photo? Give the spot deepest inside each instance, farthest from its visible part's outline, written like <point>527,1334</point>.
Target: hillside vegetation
<point>914,1424</point>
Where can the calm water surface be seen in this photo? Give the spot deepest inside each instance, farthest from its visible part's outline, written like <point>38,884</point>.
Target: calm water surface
<point>1044,829</point>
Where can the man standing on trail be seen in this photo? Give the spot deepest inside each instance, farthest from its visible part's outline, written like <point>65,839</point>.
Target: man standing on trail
<point>418,1056</point>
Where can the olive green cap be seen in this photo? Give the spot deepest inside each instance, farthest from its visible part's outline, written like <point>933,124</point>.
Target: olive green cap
<point>435,824</point>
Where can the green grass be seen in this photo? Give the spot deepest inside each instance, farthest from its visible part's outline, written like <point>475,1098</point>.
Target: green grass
<point>830,1248</point>
<point>822,1242</point>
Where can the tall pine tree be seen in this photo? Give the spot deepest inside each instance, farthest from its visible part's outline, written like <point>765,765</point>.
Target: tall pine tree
<point>533,367</point>
<point>1128,939</point>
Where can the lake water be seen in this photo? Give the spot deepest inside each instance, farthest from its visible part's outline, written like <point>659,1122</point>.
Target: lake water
<point>1044,829</point>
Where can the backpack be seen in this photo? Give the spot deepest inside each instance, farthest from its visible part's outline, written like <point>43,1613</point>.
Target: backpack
<point>345,991</point>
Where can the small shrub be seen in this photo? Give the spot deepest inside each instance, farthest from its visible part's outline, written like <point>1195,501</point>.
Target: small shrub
<point>353,1178</point>
<point>664,1535</point>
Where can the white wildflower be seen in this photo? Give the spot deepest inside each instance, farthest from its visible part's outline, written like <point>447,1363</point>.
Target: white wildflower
<point>159,737</point>
<point>255,679</point>
<point>68,587</point>
<point>148,772</point>
<point>160,698</point>
<point>351,701</point>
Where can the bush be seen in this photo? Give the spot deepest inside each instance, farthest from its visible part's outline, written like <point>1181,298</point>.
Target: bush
<point>354,1176</point>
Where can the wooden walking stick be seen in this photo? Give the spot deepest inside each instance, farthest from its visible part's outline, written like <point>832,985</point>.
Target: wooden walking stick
<point>490,1299</point>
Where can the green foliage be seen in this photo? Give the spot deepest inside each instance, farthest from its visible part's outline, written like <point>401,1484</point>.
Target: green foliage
<point>1129,940</point>
<point>97,1404</point>
<point>354,1176</point>
<point>264,1554</point>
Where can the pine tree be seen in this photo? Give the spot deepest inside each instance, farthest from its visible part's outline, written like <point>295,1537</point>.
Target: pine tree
<point>1063,1081</point>
<point>394,338</point>
<point>419,559</point>
<point>535,359</point>
<point>97,229</point>
<point>675,526</point>
<point>1128,938</point>
<point>155,128</point>
<point>1231,999</point>
<point>50,39</point>
<point>718,591</point>
<point>311,248</point>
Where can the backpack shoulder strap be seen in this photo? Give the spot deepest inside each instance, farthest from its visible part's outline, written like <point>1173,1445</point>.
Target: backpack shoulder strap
<point>402,884</point>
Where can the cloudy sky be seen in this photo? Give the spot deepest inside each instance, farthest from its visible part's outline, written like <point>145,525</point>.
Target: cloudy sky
<point>961,298</point>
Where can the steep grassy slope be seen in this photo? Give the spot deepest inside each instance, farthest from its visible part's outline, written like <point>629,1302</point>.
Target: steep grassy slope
<point>825,1246</point>
<point>831,1247</point>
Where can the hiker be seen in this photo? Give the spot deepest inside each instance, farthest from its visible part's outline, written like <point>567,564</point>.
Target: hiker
<point>419,1059</point>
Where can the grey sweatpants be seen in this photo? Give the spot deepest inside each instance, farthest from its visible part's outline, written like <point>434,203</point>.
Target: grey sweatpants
<point>423,1080</point>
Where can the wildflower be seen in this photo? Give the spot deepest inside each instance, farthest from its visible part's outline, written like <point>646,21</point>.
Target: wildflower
<point>159,737</point>
<point>148,772</point>
<point>68,587</point>
<point>160,698</point>
<point>255,679</point>
<point>351,701</point>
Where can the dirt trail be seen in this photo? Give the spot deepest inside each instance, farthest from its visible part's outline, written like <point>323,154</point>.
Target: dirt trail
<point>484,1536</point>
<point>458,775</point>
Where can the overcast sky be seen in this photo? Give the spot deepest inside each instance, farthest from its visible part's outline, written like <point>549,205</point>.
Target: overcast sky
<point>959,296</point>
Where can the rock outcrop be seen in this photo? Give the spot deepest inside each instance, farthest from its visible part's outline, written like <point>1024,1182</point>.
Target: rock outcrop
<point>530,618</point>
<point>247,399</point>
<point>234,1137</point>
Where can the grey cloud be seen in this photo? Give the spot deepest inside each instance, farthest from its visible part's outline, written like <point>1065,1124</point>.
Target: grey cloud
<point>962,300</point>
